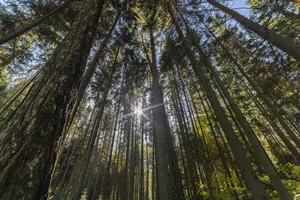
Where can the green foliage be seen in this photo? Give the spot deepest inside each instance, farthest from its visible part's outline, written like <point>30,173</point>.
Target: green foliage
<point>276,74</point>
<point>4,81</point>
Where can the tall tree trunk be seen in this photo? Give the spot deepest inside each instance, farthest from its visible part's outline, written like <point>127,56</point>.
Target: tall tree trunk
<point>262,156</point>
<point>127,134</point>
<point>142,171</point>
<point>202,153</point>
<point>107,187</point>
<point>36,126</point>
<point>285,44</point>
<point>169,181</point>
<point>220,151</point>
<point>95,132</point>
<point>132,164</point>
<point>185,144</point>
<point>269,104</point>
<point>90,71</point>
<point>241,158</point>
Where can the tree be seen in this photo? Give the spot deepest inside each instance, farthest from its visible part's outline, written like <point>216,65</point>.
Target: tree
<point>285,44</point>
<point>148,100</point>
<point>51,97</point>
<point>257,188</point>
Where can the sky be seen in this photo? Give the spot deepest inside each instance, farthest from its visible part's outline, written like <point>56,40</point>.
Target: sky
<point>3,1</point>
<point>240,4</point>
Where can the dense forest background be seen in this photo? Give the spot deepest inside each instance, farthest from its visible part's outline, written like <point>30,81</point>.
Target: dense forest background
<point>156,99</point>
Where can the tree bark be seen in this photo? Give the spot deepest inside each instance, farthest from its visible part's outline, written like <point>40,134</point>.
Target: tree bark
<point>169,181</point>
<point>269,104</point>
<point>90,71</point>
<point>262,156</point>
<point>258,190</point>
<point>95,132</point>
<point>36,127</point>
<point>285,44</point>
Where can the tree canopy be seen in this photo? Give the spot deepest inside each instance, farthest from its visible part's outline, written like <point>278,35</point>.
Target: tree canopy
<point>158,99</point>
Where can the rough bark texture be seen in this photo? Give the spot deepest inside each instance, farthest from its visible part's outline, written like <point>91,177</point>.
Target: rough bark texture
<point>30,136</point>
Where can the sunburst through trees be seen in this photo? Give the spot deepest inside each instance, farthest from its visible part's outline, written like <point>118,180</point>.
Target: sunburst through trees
<point>158,99</point>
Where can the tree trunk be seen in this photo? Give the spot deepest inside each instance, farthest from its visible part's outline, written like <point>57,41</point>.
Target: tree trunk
<point>90,71</point>
<point>169,181</point>
<point>285,44</point>
<point>26,165</point>
<point>262,156</point>
<point>269,104</point>
<point>258,190</point>
<point>94,133</point>
<point>107,187</point>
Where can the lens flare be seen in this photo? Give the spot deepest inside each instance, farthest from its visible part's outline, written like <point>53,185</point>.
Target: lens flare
<point>138,111</point>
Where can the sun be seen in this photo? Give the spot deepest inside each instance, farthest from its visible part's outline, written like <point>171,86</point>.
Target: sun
<point>138,111</point>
